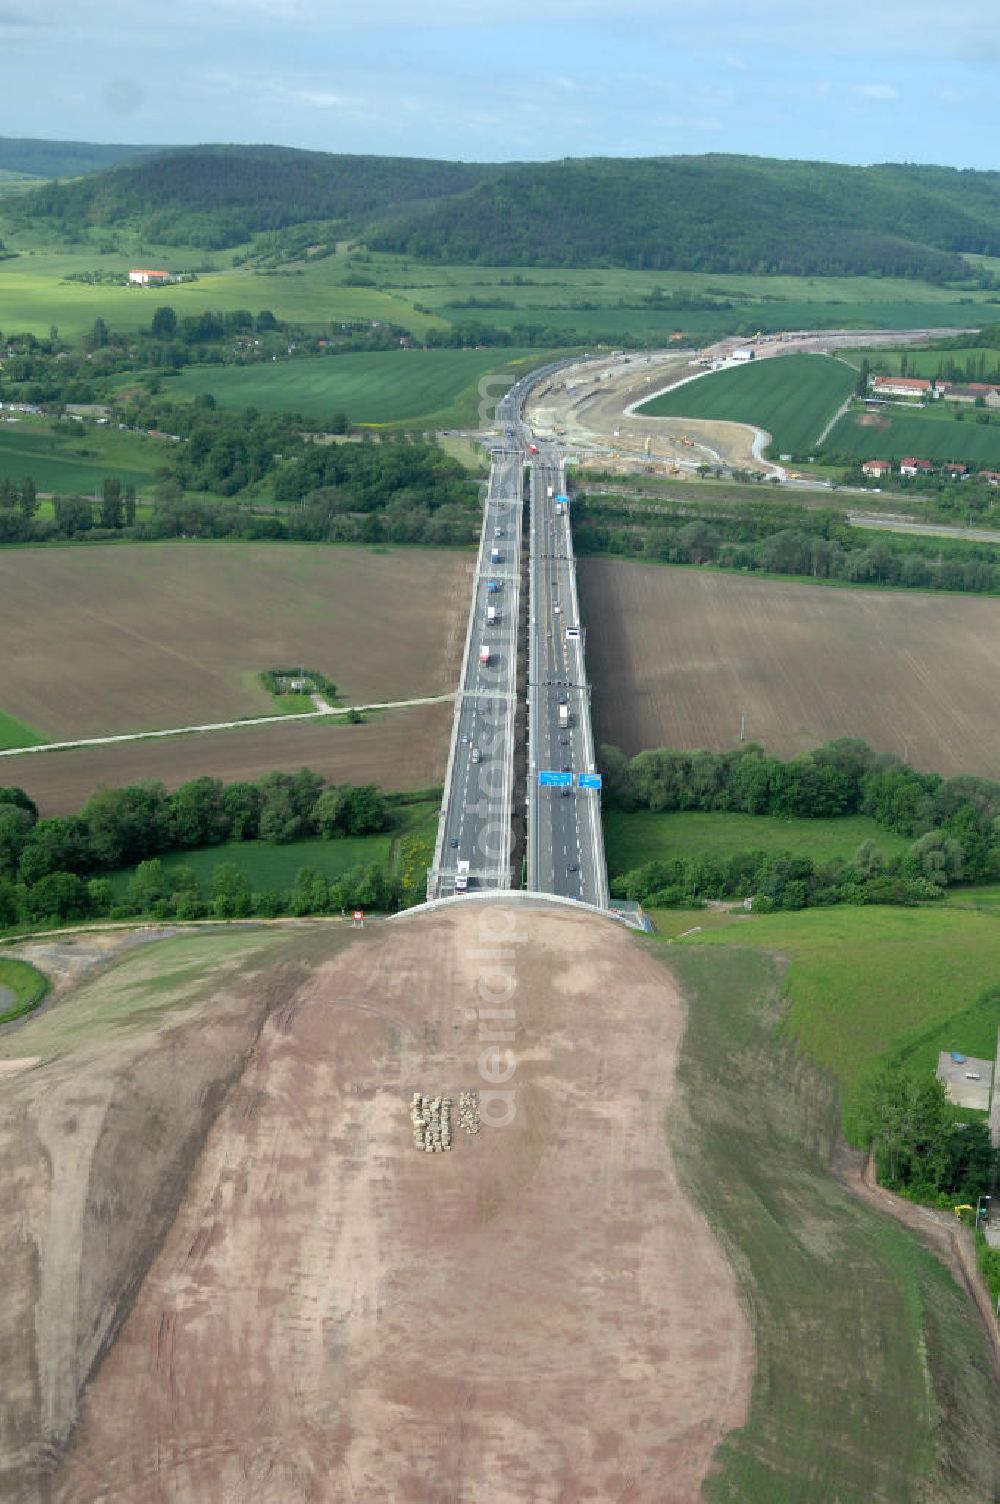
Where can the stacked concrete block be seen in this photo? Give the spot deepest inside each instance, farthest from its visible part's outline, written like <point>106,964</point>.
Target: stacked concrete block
<point>430,1118</point>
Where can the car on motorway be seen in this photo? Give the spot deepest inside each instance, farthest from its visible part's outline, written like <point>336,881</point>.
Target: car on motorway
<point>476,755</point>
<point>564,741</point>
<point>566,768</point>
<point>454,842</point>
<point>572,866</point>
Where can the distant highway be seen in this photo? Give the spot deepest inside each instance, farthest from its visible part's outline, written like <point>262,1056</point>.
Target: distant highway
<point>565,844</point>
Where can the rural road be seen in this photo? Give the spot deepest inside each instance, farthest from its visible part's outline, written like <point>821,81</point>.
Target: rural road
<point>259,720</point>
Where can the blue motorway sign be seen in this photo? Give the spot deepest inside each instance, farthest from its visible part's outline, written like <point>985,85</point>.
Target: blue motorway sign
<point>589,780</point>
<point>555,780</point>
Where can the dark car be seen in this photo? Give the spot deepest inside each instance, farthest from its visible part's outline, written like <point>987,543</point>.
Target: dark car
<point>454,841</point>
<point>572,866</point>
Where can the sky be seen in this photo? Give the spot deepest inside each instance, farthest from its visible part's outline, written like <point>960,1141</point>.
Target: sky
<point>852,81</point>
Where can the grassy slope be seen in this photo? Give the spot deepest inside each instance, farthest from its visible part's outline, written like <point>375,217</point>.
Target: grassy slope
<point>874,983</point>
<point>632,839</point>
<point>792,397</point>
<point>34,294</point>
<point>372,386</point>
<point>67,458</point>
<point>936,435</point>
<point>14,733</point>
<point>22,988</point>
<point>177,972</point>
<point>872,1379</point>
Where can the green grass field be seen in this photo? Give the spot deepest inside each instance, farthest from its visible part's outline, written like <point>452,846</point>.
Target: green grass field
<point>632,839</point>
<point>867,984</point>
<point>14,733</point>
<point>793,398</point>
<point>22,988</point>
<point>34,294</point>
<point>925,362</point>
<point>932,435</point>
<point>379,387</point>
<point>872,1384</point>
<point>274,867</point>
<point>68,457</point>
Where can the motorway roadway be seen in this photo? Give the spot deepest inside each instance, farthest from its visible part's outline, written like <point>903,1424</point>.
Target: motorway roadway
<point>565,838</point>
<point>476,814</point>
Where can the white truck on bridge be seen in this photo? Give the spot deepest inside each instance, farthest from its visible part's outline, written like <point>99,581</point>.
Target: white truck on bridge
<point>462,877</point>
<point>484,654</point>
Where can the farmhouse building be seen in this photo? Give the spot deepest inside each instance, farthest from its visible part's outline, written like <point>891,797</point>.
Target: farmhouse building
<point>991,477</point>
<point>915,467</point>
<point>743,355</point>
<point>956,472</point>
<point>992,398</point>
<point>970,392</point>
<point>144,278</point>
<point>877,468</point>
<point>902,386</point>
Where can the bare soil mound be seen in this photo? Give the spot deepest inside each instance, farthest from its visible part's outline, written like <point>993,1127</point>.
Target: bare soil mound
<point>333,1314</point>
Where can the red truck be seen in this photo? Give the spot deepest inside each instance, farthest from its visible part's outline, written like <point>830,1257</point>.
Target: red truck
<point>532,448</point>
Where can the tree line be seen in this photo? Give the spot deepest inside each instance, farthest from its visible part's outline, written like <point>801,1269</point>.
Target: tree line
<point>53,869</point>
<point>953,825</point>
<point>778,537</point>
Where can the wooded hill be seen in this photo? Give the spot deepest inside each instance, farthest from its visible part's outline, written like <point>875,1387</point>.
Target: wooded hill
<point>710,213</point>
<point>64,159</point>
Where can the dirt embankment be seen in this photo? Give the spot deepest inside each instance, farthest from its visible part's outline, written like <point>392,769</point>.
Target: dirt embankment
<point>96,1147</point>
<point>330,1314</point>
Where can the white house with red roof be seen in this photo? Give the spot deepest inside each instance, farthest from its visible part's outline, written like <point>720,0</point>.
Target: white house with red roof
<point>911,466</point>
<point>877,468</point>
<point>142,277</point>
<point>902,386</point>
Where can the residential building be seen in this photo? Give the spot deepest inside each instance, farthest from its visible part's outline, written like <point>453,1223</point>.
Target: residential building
<point>902,386</point>
<point>915,467</point>
<point>142,277</point>
<point>956,472</point>
<point>877,468</point>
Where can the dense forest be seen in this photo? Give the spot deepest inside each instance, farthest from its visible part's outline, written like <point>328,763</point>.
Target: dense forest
<point>216,196</point>
<point>710,213</point>
<point>713,214</point>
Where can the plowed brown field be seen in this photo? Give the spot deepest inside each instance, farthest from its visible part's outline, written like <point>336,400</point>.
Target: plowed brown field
<point>137,637</point>
<point>397,749</point>
<point>678,655</point>
<point>331,1315</point>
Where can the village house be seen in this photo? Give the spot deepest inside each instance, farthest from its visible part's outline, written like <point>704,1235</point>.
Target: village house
<point>991,477</point>
<point>956,472</point>
<point>144,278</point>
<point>915,467</point>
<point>902,386</point>
<point>877,468</point>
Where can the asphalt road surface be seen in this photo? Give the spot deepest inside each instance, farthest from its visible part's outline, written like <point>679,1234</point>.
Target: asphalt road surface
<point>476,813</point>
<point>565,839</point>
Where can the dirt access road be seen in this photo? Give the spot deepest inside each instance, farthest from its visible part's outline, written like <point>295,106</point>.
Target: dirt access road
<point>332,1315</point>
<point>589,407</point>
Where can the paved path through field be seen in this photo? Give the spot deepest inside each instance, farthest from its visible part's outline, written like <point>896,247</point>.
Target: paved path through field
<point>259,720</point>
